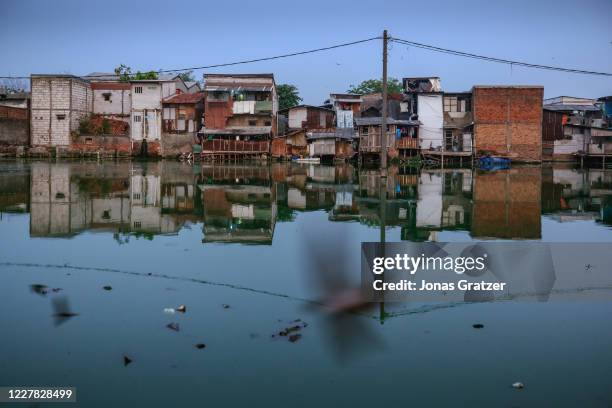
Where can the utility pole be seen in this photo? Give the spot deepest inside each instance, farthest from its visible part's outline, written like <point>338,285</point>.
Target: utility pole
<point>383,123</point>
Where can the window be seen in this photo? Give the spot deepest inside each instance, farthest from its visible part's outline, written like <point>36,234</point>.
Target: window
<point>138,89</point>
<point>137,118</point>
<point>267,123</point>
<point>364,130</point>
<point>136,196</point>
<point>137,224</point>
<point>107,96</point>
<point>60,116</point>
<point>252,123</point>
<point>450,104</point>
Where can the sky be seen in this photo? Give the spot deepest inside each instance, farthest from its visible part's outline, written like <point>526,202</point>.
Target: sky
<point>79,37</point>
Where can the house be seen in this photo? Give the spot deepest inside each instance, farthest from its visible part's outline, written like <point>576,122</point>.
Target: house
<point>423,100</point>
<point>401,136</point>
<point>240,114</point>
<point>146,112</point>
<point>181,121</point>
<point>347,107</point>
<point>111,96</point>
<point>508,121</point>
<point>566,126</point>
<point>299,120</point>
<point>333,143</point>
<point>14,120</point>
<point>59,103</point>
<point>308,117</point>
<point>457,121</point>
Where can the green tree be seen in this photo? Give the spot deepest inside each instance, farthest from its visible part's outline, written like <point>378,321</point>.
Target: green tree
<point>288,96</point>
<point>371,86</point>
<point>125,74</point>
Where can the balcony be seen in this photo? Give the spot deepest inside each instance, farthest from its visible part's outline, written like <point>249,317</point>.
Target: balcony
<point>407,143</point>
<point>220,146</point>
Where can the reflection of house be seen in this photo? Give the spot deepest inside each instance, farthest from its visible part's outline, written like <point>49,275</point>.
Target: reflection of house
<point>507,204</point>
<point>240,116</point>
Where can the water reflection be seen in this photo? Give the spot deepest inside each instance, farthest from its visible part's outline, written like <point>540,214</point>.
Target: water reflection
<point>243,202</point>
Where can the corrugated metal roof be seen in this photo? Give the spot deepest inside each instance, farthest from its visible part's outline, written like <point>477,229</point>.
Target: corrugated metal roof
<point>570,108</point>
<point>237,88</point>
<point>246,130</point>
<point>185,98</point>
<point>335,133</point>
<point>373,121</point>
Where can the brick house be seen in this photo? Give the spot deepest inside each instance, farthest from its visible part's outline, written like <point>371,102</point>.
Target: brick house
<point>508,121</point>
<point>59,102</point>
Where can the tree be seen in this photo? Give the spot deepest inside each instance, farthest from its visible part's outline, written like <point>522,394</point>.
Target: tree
<point>125,74</point>
<point>187,76</point>
<point>371,86</point>
<point>288,96</point>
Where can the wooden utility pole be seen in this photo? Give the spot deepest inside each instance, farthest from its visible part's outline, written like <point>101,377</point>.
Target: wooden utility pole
<point>383,123</point>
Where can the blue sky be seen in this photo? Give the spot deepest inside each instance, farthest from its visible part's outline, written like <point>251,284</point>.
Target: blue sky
<point>79,37</point>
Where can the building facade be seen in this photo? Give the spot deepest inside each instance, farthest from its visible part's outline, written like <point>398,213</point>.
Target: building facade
<point>59,103</point>
<point>508,121</point>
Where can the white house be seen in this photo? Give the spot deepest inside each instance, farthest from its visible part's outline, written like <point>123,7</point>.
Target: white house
<point>147,96</point>
<point>431,134</point>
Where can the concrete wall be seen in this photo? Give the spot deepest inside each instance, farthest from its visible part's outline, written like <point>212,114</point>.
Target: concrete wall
<point>432,118</point>
<point>508,121</point>
<point>296,117</point>
<point>58,105</point>
<point>173,144</point>
<point>118,106</point>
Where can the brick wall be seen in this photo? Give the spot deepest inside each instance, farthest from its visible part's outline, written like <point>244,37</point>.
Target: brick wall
<point>508,121</point>
<point>58,105</point>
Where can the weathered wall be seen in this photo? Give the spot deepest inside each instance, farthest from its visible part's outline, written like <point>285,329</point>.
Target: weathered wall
<point>432,119</point>
<point>58,105</point>
<point>121,145</point>
<point>508,121</point>
<point>14,129</point>
<point>173,144</point>
<point>119,101</point>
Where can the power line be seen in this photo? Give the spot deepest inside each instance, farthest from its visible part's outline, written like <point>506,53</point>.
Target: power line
<point>493,59</point>
<point>293,54</point>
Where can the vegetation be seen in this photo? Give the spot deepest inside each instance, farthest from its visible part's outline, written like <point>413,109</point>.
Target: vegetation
<point>187,76</point>
<point>288,96</point>
<point>125,74</point>
<point>371,86</point>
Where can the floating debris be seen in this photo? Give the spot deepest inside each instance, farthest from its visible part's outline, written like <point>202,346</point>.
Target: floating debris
<point>225,306</point>
<point>107,287</point>
<point>56,290</point>
<point>478,326</point>
<point>173,326</point>
<point>62,312</point>
<point>200,346</point>
<point>181,308</point>
<point>169,310</point>
<point>518,385</point>
<point>39,289</point>
<point>294,337</point>
<point>291,331</point>
<point>126,361</point>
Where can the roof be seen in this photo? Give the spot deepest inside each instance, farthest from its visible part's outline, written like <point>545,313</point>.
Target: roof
<point>240,75</point>
<point>510,86</point>
<point>238,87</point>
<point>308,107</point>
<point>66,76</point>
<point>190,84</point>
<point>185,98</point>
<point>568,108</point>
<point>373,121</point>
<point>114,85</point>
<point>246,130</point>
<point>160,78</point>
<point>335,133</point>
<point>102,76</point>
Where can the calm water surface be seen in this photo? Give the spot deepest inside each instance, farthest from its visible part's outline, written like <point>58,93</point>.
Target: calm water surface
<point>250,249</point>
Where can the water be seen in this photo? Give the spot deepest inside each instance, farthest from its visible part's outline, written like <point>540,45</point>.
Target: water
<point>168,234</point>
